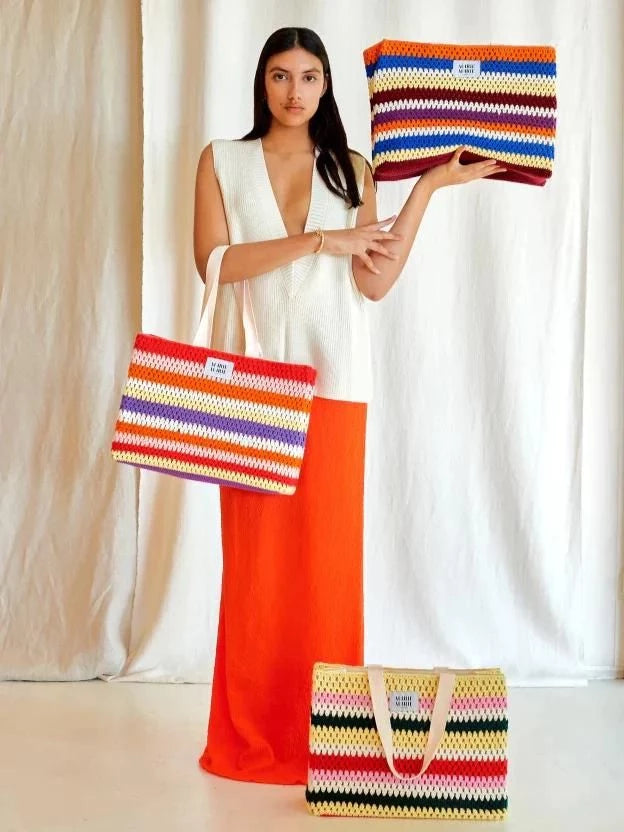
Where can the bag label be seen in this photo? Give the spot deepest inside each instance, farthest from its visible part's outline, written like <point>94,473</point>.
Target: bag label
<point>218,368</point>
<point>466,69</point>
<point>404,701</point>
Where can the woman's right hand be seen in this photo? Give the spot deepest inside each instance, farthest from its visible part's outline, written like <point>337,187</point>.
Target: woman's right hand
<point>360,240</point>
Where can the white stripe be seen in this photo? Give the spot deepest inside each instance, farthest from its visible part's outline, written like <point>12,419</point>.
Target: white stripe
<point>195,369</point>
<point>148,420</point>
<point>208,453</point>
<point>473,106</point>
<point>363,784</point>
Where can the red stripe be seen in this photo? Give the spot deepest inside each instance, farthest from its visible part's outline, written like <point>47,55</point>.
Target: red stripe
<point>447,768</point>
<point>425,93</point>
<point>390,171</point>
<point>159,453</point>
<point>242,364</point>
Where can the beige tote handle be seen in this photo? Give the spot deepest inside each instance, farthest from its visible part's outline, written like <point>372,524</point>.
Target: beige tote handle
<point>204,330</point>
<point>439,716</point>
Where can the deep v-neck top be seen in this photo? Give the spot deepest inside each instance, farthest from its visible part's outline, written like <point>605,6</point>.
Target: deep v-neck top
<point>309,311</point>
<point>294,273</point>
<point>313,206</point>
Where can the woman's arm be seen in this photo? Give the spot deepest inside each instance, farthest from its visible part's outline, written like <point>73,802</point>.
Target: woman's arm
<point>376,286</point>
<point>243,260</point>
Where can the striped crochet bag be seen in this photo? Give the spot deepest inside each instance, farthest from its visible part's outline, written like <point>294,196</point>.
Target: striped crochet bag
<point>194,412</point>
<point>428,99</point>
<point>390,742</point>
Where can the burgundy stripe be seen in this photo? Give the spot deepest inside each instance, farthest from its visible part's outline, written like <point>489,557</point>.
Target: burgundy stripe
<point>464,114</point>
<point>390,171</point>
<point>242,364</point>
<point>425,93</point>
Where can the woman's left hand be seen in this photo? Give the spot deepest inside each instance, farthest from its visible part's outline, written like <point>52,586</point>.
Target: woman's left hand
<point>454,173</point>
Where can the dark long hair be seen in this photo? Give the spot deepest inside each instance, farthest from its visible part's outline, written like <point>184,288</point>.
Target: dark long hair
<point>325,126</point>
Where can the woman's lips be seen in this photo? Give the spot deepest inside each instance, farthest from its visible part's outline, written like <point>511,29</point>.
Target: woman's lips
<point>294,108</point>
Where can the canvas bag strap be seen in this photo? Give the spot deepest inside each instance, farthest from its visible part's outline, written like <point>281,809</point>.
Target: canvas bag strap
<point>439,716</point>
<point>241,288</point>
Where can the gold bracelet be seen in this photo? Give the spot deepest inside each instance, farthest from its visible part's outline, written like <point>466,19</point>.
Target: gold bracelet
<point>319,233</point>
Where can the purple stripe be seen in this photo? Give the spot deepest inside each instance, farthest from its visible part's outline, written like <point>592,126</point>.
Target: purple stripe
<point>210,420</point>
<point>459,112</point>
<point>199,478</point>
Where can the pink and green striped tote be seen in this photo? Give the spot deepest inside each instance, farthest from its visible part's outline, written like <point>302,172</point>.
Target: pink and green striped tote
<point>399,743</point>
<point>201,414</point>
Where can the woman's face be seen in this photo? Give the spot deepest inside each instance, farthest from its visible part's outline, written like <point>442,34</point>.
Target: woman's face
<point>294,82</point>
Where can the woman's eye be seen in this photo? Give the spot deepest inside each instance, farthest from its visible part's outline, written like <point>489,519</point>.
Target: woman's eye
<point>278,75</point>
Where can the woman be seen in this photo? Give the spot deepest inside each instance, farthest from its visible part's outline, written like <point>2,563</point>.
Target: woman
<point>292,586</point>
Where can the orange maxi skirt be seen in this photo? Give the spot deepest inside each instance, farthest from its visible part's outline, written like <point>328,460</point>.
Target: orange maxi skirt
<point>291,595</point>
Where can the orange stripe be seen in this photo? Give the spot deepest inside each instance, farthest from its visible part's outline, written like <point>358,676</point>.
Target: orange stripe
<point>465,52</point>
<point>448,122</point>
<point>204,442</point>
<point>228,391</point>
<point>160,453</point>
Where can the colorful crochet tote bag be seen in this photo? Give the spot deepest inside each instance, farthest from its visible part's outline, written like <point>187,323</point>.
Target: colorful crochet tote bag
<point>428,99</point>
<point>391,742</point>
<point>194,412</point>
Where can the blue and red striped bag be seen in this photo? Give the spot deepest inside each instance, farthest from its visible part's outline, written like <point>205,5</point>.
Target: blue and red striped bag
<point>201,414</point>
<point>428,99</point>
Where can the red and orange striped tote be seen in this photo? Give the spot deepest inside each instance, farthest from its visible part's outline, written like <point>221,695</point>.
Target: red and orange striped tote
<point>201,414</point>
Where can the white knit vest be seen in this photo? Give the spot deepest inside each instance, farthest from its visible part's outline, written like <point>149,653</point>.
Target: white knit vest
<point>309,311</point>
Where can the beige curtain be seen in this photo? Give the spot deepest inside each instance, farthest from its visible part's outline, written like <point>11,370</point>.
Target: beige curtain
<point>495,436</point>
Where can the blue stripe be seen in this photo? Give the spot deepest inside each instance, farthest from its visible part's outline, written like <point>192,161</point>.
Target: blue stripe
<point>546,68</point>
<point>503,145</point>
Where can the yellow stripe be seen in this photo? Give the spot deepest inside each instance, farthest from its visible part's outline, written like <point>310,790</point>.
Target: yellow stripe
<point>519,85</point>
<point>207,403</point>
<point>360,810</point>
<point>336,679</point>
<point>413,742</point>
<point>203,471</point>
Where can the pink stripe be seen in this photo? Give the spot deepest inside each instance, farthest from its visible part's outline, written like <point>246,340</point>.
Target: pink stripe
<point>462,703</point>
<point>388,779</point>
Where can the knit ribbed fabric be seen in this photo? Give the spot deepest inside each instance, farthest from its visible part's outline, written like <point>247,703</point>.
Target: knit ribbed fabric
<point>309,311</point>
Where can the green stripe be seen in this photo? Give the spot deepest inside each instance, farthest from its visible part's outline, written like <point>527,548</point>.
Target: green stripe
<point>408,801</point>
<point>453,726</point>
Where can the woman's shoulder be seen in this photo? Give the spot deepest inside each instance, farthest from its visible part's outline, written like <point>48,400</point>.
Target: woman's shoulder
<point>226,145</point>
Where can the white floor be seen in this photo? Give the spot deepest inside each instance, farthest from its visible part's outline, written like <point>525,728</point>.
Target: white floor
<point>107,757</point>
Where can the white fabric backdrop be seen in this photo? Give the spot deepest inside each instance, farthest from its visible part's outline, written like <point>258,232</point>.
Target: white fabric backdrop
<point>69,305</point>
<point>494,443</point>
